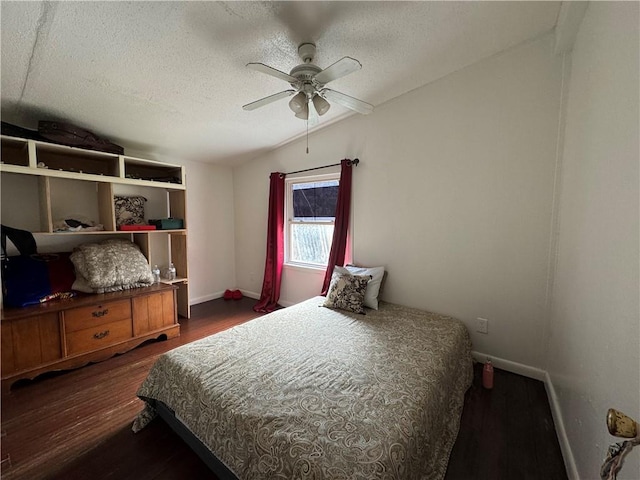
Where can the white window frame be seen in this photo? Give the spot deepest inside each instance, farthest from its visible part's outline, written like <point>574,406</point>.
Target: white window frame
<point>288,212</point>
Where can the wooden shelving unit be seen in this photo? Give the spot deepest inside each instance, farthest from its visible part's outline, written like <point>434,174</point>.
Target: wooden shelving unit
<point>43,182</point>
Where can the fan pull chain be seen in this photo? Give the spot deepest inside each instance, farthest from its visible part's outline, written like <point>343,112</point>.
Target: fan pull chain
<point>307,136</point>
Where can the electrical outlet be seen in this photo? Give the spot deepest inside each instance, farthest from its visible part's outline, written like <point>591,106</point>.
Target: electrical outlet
<point>482,326</point>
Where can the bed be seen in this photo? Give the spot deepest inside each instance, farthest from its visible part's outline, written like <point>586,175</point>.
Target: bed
<point>318,393</point>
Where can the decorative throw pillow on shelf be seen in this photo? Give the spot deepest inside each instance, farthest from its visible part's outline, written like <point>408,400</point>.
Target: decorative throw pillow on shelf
<point>129,210</point>
<point>110,266</point>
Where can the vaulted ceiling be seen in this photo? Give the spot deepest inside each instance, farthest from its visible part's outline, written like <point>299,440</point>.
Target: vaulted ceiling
<point>170,78</point>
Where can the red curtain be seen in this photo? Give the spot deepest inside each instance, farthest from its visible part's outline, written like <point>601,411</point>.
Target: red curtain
<point>341,226</point>
<point>275,247</point>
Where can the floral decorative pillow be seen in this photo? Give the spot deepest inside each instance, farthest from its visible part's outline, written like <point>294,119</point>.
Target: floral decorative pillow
<point>346,292</point>
<point>373,287</point>
<point>129,210</point>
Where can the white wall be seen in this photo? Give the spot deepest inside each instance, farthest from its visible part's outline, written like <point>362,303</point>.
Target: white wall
<point>594,345</point>
<point>453,196</point>
<point>210,216</point>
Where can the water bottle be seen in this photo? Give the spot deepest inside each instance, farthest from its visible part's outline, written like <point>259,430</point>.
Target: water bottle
<point>487,375</point>
<point>172,272</point>
<point>155,271</point>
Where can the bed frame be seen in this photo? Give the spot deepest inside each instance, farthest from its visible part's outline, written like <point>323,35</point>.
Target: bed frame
<point>215,465</point>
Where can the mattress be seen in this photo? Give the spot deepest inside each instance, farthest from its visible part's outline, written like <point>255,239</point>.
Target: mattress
<point>311,392</point>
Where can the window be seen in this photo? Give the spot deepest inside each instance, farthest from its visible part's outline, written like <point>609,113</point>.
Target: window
<point>310,209</point>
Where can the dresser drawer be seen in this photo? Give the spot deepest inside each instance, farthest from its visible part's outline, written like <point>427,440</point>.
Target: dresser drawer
<point>98,336</point>
<point>83,318</point>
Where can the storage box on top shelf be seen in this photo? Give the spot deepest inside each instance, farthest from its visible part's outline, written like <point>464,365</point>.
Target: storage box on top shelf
<point>168,223</point>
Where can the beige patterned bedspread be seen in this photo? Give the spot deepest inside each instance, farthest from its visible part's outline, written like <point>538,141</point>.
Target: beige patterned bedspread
<point>312,393</point>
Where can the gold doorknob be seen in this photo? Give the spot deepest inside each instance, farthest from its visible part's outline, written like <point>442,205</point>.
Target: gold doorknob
<point>621,425</point>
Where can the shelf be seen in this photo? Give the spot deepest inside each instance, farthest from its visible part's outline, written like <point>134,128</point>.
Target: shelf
<point>75,160</point>
<point>173,232</point>
<point>22,156</point>
<point>47,172</point>
<point>66,234</point>
<point>145,170</point>
<point>15,152</point>
<point>112,232</point>
<point>172,282</point>
<point>82,184</point>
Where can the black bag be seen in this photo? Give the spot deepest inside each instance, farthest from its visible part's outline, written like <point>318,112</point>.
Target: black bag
<point>22,239</point>
<point>70,135</point>
<point>19,132</point>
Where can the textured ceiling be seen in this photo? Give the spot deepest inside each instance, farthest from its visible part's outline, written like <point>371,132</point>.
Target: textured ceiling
<point>169,78</point>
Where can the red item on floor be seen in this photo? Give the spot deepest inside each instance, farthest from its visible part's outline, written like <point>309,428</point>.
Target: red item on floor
<point>487,375</point>
<point>237,295</point>
<point>228,295</point>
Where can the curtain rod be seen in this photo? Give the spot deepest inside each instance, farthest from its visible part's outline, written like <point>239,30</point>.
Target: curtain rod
<point>354,162</point>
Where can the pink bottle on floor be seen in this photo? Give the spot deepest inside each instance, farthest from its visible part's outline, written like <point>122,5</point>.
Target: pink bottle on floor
<point>487,375</point>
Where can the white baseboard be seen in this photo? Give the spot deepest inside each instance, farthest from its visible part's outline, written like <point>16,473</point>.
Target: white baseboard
<point>567,453</point>
<point>256,296</point>
<point>250,294</point>
<point>216,295</point>
<point>513,367</point>
<point>205,298</point>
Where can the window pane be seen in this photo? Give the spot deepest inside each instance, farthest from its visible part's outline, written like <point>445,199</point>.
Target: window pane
<point>315,200</point>
<point>310,243</point>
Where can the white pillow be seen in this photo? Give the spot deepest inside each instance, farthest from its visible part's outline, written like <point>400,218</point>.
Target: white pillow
<point>373,287</point>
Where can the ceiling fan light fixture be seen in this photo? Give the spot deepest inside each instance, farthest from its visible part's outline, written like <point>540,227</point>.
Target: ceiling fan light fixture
<point>322,106</point>
<point>304,113</point>
<point>298,103</point>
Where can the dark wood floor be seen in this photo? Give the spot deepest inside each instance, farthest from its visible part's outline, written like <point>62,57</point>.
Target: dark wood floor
<point>506,433</point>
<point>77,425</point>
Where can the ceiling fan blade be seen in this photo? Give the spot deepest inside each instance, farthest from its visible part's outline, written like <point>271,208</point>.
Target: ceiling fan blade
<point>267,100</point>
<point>342,67</point>
<point>347,101</point>
<point>261,67</point>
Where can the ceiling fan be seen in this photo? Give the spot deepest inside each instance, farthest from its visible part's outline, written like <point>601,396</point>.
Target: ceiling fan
<point>309,92</point>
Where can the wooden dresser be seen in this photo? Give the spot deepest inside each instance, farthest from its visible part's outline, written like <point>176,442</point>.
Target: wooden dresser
<point>67,334</point>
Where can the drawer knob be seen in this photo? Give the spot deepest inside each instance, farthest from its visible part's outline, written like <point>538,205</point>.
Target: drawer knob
<point>100,313</point>
<point>100,335</point>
